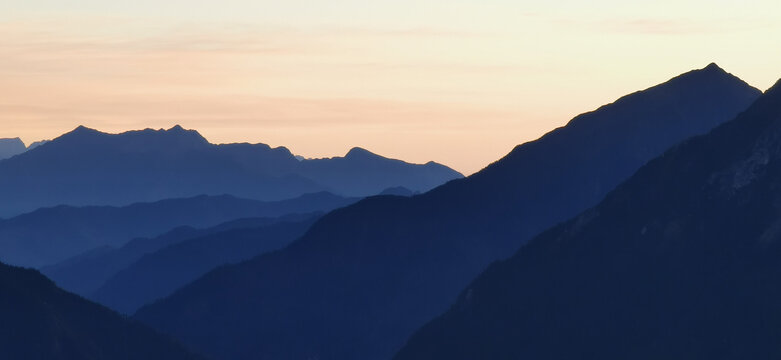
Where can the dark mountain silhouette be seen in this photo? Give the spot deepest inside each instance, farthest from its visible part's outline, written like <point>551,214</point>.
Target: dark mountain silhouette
<point>86,167</point>
<point>682,261</point>
<point>159,274</point>
<point>11,147</point>
<point>85,273</point>
<point>48,236</point>
<point>370,170</point>
<point>41,321</point>
<point>366,276</point>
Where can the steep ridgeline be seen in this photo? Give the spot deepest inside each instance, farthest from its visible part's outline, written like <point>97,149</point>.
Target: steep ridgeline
<point>158,274</point>
<point>85,273</point>
<point>366,276</point>
<point>683,261</point>
<point>41,321</point>
<point>51,235</point>
<point>87,167</point>
<point>11,147</point>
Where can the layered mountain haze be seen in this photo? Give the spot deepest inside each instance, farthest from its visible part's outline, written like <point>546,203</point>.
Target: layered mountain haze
<point>51,235</point>
<point>40,321</point>
<point>682,261</point>
<point>83,274</point>
<point>365,277</point>
<point>87,167</point>
<point>158,274</point>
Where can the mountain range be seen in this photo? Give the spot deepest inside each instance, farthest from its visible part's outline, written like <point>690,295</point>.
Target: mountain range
<point>51,235</point>
<point>366,276</point>
<point>158,274</point>
<point>85,167</point>
<point>85,273</point>
<point>682,261</point>
<point>41,321</point>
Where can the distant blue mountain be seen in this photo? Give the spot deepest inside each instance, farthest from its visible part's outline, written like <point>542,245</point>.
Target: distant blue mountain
<point>51,235</point>
<point>366,276</point>
<point>158,274</point>
<point>85,273</point>
<point>11,147</point>
<point>40,321</point>
<point>87,167</point>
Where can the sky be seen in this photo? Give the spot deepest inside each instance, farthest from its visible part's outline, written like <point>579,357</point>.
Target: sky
<point>453,81</point>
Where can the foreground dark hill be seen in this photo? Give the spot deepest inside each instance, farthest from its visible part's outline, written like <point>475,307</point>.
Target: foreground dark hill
<point>85,273</point>
<point>87,167</point>
<point>11,147</point>
<point>683,261</point>
<point>48,236</point>
<point>159,274</point>
<point>366,276</point>
<point>40,321</point>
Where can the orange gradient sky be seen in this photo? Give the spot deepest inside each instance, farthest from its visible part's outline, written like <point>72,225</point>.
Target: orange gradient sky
<point>457,82</point>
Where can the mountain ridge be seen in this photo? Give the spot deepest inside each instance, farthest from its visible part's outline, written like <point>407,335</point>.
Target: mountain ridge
<point>85,166</point>
<point>85,273</point>
<point>384,266</point>
<point>158,274</point>
<point>50,235</point>
<point>680,261</point>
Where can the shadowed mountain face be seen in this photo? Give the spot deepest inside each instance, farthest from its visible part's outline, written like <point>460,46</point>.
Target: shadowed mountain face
<point>159,274</point>
<point>366,276</point>
<point>682,261</point>
<point>11,147</point>
<point>48,236</point>
<point>87,167</point>
<point>85,273</point>
<point>40,321</point>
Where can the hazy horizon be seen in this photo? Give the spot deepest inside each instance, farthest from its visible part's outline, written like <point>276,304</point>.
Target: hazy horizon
<point>460,83</point>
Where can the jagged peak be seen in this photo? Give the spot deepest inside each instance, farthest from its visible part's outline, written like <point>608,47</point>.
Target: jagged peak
<point>179,132</point>
<point>176,136</point>
<point>83,129</point>
<point>713,67</point>
<point>698,78</point>
<point>711,70</point>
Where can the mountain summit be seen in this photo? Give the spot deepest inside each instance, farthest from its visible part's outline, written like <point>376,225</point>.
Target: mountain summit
<point>682,261</point>
<point>84,139</point>
<point>366,276</point>
<point>88,167</point>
